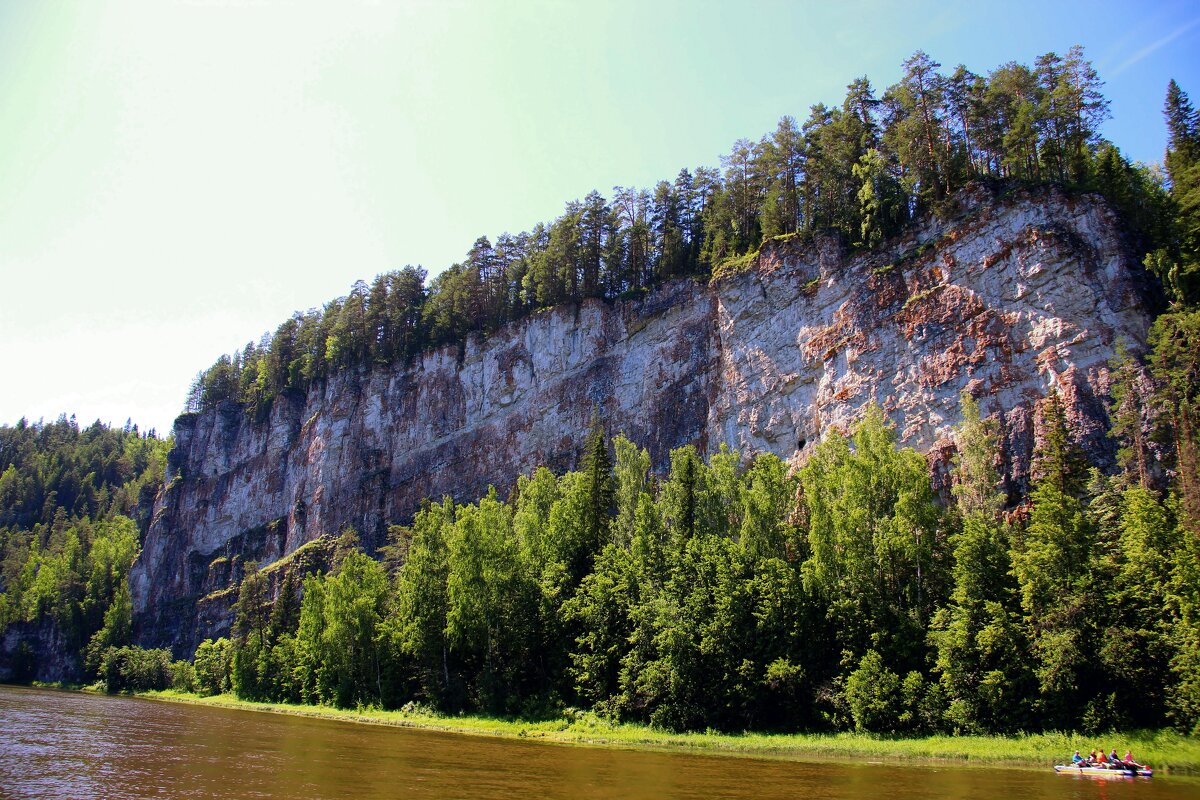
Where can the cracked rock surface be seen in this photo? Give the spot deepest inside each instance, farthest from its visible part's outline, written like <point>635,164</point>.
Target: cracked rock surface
<point>1008,300</point>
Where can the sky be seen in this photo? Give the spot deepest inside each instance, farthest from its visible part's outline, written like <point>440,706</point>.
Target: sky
<point>177,178</point>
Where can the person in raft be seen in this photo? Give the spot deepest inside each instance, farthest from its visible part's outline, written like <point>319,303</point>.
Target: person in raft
<point>1098,758</point>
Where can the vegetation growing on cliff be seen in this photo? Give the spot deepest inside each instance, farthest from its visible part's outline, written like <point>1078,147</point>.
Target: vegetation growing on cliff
<point>734,596</point>
<point>862,170</point>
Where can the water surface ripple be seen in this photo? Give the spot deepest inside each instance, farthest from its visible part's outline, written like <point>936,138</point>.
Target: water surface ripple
<point>70,745</point>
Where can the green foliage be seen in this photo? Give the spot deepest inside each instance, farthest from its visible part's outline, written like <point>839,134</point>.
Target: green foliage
<point>351,668</point>
<point>1053,566</point>
<point>982,653</point>
<point>1130,419</point>
<point>118,624</point>
<point>66,542</point>
<point>881,199</point>
<point>1139,592</point>
<point>421,602</point>
<point>1183,696</point>
<point>492,601</point>
<point>213,666</point>
<point>875,538</point>
<point>1175,365</point>
<point>631,471</point>
<point>341,653</point>
<point>873,693</point>
<point>250,644</point>
<point>133,669</point>
<point>96,472</point>
<point>73,575</point>
<point>862,170</point>
<point>183,676</point>
<point>600,491</point>
<point>730,594</point>
<point>1177,261</point>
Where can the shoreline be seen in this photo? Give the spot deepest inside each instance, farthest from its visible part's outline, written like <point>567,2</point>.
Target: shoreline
<point>1166,751</point>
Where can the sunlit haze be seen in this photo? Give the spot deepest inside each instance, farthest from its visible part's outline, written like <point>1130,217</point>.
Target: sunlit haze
<point>176,178</point>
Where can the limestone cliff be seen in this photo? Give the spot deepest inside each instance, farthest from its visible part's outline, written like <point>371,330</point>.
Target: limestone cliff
<point>1006,300</point>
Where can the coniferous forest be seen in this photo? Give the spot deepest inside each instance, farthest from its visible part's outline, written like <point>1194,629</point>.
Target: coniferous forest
<point>729,593</point>
<point>862,170</point>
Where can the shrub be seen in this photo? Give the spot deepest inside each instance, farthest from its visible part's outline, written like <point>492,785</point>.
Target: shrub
<point>183,676</point>
<point>873,693</point>
<point>213,666</point>
<point>135,669</point>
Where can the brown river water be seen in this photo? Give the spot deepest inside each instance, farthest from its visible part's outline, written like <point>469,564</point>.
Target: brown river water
<point>71,745</point>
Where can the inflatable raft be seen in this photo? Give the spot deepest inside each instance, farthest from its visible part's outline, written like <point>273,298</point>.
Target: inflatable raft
<point>1104,772</point>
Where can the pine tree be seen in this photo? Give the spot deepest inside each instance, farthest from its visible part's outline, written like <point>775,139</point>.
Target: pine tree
<point>915,128</point>
<point>1176,260</point>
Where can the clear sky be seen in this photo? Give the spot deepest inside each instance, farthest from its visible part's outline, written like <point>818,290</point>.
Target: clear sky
<point>176,178</point>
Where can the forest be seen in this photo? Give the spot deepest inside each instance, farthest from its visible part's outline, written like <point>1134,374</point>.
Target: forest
<point>732,595</point>
<point>729,593</point>
<point>862,171</point>
<point>70,499</point>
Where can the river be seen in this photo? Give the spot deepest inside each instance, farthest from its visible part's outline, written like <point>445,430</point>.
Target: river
<point>69,745</point>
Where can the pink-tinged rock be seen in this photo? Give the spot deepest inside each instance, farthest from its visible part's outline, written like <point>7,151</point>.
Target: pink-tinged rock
<point>1008,300</point>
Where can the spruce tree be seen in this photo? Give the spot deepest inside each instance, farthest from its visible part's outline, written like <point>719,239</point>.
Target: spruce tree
<point>1059,460</point>
<point>1179,262</point>
<point>285,612</point>
<point>1183,132</point>
<point>597,468</point>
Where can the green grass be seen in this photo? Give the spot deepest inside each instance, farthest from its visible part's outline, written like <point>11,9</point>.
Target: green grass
<point>1164,750</point>
<point>320,543</point>
<point>733,265</point>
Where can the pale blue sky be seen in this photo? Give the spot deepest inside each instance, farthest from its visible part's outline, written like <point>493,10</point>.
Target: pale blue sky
<point>177,178</point>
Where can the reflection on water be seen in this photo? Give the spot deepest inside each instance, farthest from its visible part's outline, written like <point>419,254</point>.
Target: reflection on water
<point>68,745</point>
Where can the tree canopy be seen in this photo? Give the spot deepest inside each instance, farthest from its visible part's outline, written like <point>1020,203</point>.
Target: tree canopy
<point>861,170</point>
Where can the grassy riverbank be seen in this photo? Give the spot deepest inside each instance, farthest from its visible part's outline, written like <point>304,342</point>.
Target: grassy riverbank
<point>1164,750</point>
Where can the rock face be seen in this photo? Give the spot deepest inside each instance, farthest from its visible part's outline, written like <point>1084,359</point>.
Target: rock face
<point>1008,300</point>
<point>38,651</point>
